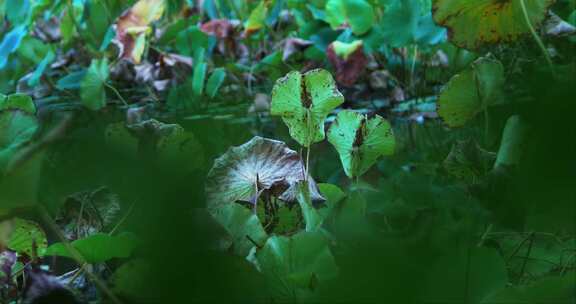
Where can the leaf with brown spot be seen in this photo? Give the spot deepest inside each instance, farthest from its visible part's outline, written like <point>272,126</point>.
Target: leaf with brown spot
<point>475,23</point>
<point>303,101</point>
<point>360,141</point>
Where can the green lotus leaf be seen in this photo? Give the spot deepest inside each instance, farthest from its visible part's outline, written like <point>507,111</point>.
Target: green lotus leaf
<point>476,23</point>
<point>243,226</point>
<point>311,216</point>
<point>471,92</point>
<point>303,101</point>
<point>92,90</point>
<point>18,128</point>
<point>28,238</point>
<point>244,172</point>
<point>298,261</point>
<point>98,248</point>
<point>360,141</point>
<point>18,101</point>
<point>358,14</point>
<point>180,149</point>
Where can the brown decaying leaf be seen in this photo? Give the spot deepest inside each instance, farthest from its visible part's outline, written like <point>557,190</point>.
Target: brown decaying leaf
<point>220,28</point>
<point>292,46</point>
<point>348,70</point>
<point>227,32</point>
<point>259,166</point>
<point>133,24</point>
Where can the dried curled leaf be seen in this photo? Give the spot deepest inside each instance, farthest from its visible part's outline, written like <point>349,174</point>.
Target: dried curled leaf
<point>261,165</point>
<point>133,25</point>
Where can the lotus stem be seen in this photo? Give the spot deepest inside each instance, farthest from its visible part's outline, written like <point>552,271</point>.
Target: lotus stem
<point>536,37</point>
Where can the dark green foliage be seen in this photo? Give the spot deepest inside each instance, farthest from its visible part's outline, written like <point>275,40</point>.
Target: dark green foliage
<point>287,151</point>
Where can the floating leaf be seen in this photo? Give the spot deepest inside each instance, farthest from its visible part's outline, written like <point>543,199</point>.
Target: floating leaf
<point>98,248</point>
<point>304,101</point>
<point>471,92</point>
<point>133,25</point>
<point>297,262</point>
<point>360,141</point>
<point>475,23</point>
<point>358,14</point>
<point>28,238</point>
<point>92,89</point>
<point>244,172</point>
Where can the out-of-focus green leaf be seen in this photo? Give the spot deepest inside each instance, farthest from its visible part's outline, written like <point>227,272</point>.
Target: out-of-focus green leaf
<point>257,18</point>
<point>190,40</point>
<point>215,81</point>
<point>18,11</point>
<point>358,14</point>
<point>311,216</point>
<point>72,81</point>
<point>552,289</point>
<point>92,88</point>
<point>98,248</point>
<point>10,43</point>
<point>468,275</point>
<point>18,101</point>
<point>403,23</point>
<point>41,68</point>
<point>297,262</point>
<point>199,78</point>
